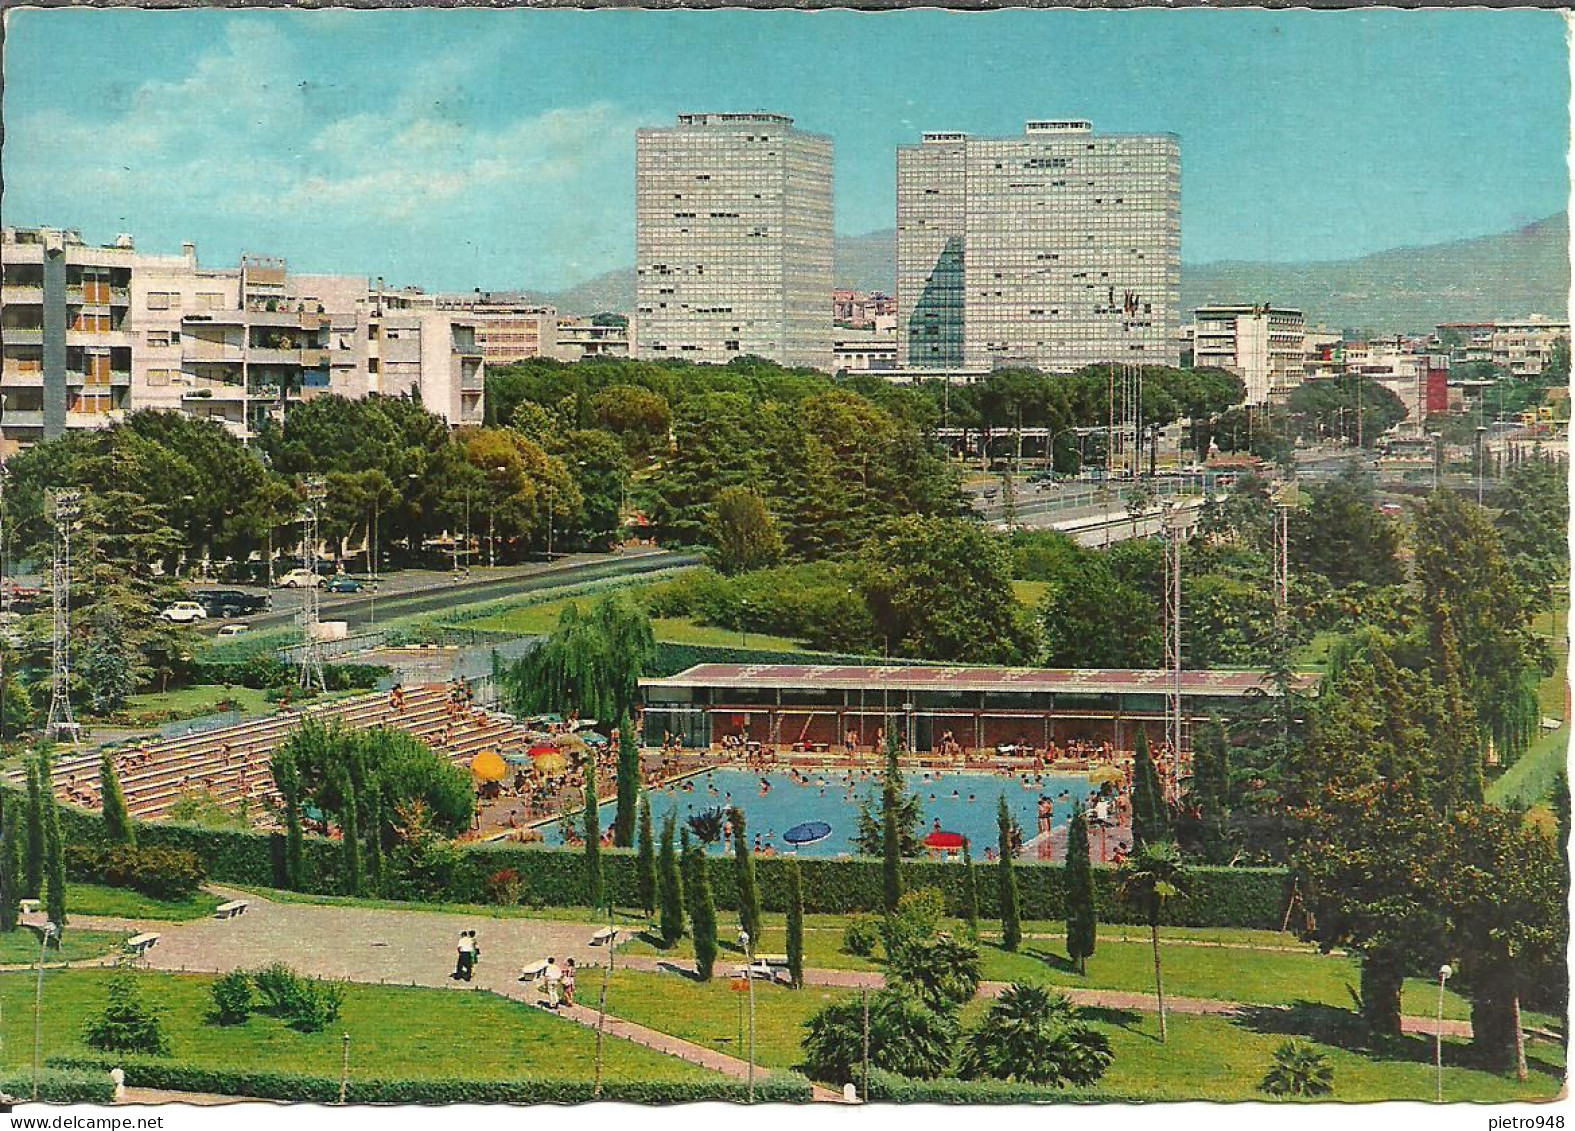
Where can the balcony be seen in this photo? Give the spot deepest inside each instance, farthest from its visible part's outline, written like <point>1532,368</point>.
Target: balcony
<point>259,355</point>
<point>15,294</point>
<point>23,335</point>
<point>13,378</point>
<point>203,389</point>
<point>121,377</point>
<point>200,349</point>
<point>21,418</point>
<point>94,419</point>
<point>98,338</point>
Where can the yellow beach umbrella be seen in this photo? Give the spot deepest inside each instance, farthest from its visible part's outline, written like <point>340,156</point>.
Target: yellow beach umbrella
<point>488,766</point>
<point>1101,775</point>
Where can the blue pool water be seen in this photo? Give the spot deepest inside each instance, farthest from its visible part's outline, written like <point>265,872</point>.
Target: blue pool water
<point>943,795</point>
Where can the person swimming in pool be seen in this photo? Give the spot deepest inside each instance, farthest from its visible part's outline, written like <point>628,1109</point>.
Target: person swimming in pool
<point>971,797</point>
<point>956,794</point>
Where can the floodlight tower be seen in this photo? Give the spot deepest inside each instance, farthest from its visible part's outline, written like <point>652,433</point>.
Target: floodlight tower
<point>311,642</point>
<point>64,507</point>
<point>1175,714</point>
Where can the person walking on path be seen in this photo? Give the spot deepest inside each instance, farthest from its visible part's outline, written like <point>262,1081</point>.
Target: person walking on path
<point>465,960</point>
<point>568,981</point>
<point>554,978</point>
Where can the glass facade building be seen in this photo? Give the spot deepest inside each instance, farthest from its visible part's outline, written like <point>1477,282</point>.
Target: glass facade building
<point>1057,249</point>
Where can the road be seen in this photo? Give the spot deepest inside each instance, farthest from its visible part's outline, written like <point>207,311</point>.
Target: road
<point>409,592</point>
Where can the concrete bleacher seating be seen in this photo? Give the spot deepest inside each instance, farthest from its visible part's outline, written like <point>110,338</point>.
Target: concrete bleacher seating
<point>234,762</point>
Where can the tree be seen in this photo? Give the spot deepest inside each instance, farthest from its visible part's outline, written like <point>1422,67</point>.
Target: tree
<point>1089,617</point>
<point>1033,1035</point>
<point>702,910</point>
<point>748,893</point>
<point>350,835</point>
<point>10,867</point>
<point>891,838</point>
<point>628,784</point>
<point>1299,1069</point>
<point>109,663</point>
<point>1150,877</point>
<point>54,860</point>
<point>287,779</point>
<point>37,792</point>
<point>897,802</point>
<point>904,1037</point>
<point>1210,791</point>
<point>117,818</point>
<point>1343,536</point>
<point>126,1024</point>
<point>591,664</point>
<point>593,838</point>
<point>795,924</point>
<point>639,417</point>
<point>645,865</point>
<point>1150,823</point>
<point>743,534</point>
<point>670,886</point>
<point>1081,925</point>
<point>939,970</point>
<point>1011,925</point>
<point>970,907</point>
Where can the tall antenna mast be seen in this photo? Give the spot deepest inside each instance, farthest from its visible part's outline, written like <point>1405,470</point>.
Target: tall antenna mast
<point>311,642</point>
<point>66,508</point>
<point>1175,716</point>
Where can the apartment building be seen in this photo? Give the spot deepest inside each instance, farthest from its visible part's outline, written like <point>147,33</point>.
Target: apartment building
<point>506,330</point>
<point>1264,345</point>
<point>1057,249</point>
<point>585,339</point>
<point>864,351</point>
<point>864,310</point>
<point>408,345</point>
<point>67,351</point>
<point>1524,346</point>
<point>733,240</point>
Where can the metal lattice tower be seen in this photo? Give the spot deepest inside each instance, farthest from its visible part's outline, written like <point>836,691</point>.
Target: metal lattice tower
<point>1175,713</point>
<point>65,507</point>
<point>1130,422</point>
<point>311,608</point>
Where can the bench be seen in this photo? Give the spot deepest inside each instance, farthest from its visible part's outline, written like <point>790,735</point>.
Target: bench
<point>759,968</point>
<point>604,936</point>
<point>231,909</point>
<point>30,906</point>
<point>776,961</point>
<point>141,944</point>
<point>534,970</point>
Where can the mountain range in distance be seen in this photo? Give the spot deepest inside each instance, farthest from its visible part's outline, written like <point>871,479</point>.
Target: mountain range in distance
<point>1403,290</point>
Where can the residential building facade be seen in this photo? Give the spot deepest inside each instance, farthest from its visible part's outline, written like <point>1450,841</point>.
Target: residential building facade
<point>733,240</point>
<point>1057,249</point>
<point>585,339</point>
<point>1264,345</point>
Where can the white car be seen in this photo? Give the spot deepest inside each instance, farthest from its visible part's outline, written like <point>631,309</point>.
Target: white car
<point>300,578</point>
<point>185,612</point>
<point>233,629</point>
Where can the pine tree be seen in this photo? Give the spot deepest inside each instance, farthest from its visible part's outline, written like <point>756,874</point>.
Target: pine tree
<point>645,865</point>
<point>970,907</point>
<point>1011,925</point>
<point>628,784</point>
<point>593,838</point>
<point>891,829</point>
<point>350,835</point>
<point>702,909</point>
<point>1149,823</point>
<point>670,886</point>
<point>744,880</point>
<point>795,923</point>
<point>33,871</point>
<point>1210,792</point>
<point>10,869</point>
<point>117,819</point>
<point>1080,921</point>
<point>54,864</point>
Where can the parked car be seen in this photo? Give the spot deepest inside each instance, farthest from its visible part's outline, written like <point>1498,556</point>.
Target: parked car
<point>221,603</point>
<point>233,629</point>
<point>184,612</point>
<point>344,583</point>
<point>300,579</point>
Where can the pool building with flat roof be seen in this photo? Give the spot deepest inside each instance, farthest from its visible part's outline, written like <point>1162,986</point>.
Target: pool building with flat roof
<point>788,706</point>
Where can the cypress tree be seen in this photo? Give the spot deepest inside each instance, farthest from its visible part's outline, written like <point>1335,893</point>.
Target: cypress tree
<point>33,869</point>
<point>628,785</point>
<point>54,863</point>
<point>1456,738</point>
<point>744,880</point>
<point>1011,925</point>
<point>645,866</point>
<point>702,909</point>
<point>593,838</point>
<point>287,779</point>
<point>1080,921</point>
<point>1149,824</point>
<point>891,838</point>
<point>795,924</point>
<point>970,907</point>
<point>670,886</point>
<point>10,869</point>
<point>1210,792</point>
<point>350,835</point>
<point>374,838</point>
<point>117,819</point>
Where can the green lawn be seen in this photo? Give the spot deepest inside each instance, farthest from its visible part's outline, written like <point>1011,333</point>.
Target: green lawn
<point>96,899</point>
<point>394,1031</point>
<point>20,946</point>
<point>541,619</point>
<point>1206,1058</point>
<point>194,702</point>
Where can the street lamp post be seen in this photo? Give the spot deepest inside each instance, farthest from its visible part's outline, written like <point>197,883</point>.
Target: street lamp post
<point>1444,972</point>
<point>1481,461</point>
<point>45,935</point>
<point>1437,456</point>
<point>601,1016</point>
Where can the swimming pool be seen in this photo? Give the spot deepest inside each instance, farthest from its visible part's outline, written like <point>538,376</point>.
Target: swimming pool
<point>962,802</point>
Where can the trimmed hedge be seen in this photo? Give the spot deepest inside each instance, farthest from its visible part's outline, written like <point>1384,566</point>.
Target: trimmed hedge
<point>888,1087</point>
<point>670,658</point>
<point>144,1072</point>
<point>86,1084</point>
<point>163,873</point>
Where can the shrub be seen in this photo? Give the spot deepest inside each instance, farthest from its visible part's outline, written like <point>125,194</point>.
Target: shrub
<point>305,1004</point>
<point>504,887</point>
<point>61,1085</point>
<point>889,1087</point>
<point>279,987</point>
<point>127,1024</point>
<point>163,873</point>
<point>860,936</point>
<point>1034,1035</point>
<point>1299,1069</point>
<point>904,1034</point>
<point>232,999</point>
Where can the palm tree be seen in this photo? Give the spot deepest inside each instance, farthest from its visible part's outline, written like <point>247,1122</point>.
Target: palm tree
<point>707,824</point>
<point>1037,1036</point>
<point>1146,881</point>
<point>1299,1069</point>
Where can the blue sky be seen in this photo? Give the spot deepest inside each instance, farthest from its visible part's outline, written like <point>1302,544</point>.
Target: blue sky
<point>496,149</point>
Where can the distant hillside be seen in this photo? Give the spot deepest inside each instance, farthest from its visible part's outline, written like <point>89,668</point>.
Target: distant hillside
<point>1406,289</point>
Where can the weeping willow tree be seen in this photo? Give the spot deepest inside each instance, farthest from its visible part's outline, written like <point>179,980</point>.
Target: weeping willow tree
<point>591,663</point>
